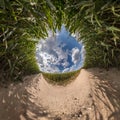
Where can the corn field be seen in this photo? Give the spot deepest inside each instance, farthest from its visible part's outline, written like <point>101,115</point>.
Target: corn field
<point>60,78</point>
<point>24,22</point>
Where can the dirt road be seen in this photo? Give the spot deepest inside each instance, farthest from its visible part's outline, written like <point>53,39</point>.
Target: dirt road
<point>93,95</point>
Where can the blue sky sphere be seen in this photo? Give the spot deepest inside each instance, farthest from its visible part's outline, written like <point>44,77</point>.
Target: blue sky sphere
<point>60,53</point>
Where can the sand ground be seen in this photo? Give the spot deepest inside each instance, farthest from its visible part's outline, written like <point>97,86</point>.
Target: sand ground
<point>93,95</point>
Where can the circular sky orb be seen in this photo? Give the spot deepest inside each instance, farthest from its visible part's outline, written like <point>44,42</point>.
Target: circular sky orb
<point>60,53</point>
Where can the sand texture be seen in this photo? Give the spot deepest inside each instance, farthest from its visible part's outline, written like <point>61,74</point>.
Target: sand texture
<point>93,95</point>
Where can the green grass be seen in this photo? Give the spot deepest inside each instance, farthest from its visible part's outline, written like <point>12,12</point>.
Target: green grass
<point>61,78</point>
<point>22,24</point>
<point>98,23</point>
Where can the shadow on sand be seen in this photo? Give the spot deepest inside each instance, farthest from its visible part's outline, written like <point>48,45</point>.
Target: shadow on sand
<point>16,104</point>
<point>105,86</point>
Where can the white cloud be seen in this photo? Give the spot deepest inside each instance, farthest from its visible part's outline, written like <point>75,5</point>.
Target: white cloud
<point>75,55</point>
<point>59,53</point>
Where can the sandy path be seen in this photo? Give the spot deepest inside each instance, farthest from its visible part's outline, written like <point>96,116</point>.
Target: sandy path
<point>59,99</point>
<point>94,95</point>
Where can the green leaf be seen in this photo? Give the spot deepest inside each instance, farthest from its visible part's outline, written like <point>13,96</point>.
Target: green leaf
<point>98,21</point>
<point>113,11</point>
<point>113,28</point>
